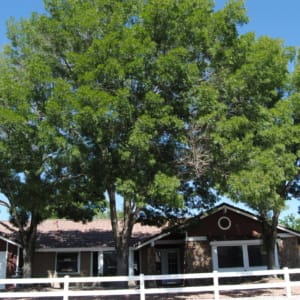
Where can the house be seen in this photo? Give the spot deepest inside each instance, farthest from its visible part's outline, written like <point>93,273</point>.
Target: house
<point>224,238</point>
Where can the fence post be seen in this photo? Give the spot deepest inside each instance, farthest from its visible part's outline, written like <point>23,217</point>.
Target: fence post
<point>287,282</point>
<point>142,287</point>
<point>66,287</point>
<point>216,285</point>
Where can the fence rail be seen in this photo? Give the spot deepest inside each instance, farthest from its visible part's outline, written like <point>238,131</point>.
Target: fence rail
<point>216,288</point>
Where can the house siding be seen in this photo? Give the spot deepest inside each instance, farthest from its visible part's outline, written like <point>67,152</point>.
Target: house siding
<point>148,261</point>
<point>85,263</point>
<point>197,257</point>
<point>241,227</point>
<point>288,252</point>
<point>43,264</point>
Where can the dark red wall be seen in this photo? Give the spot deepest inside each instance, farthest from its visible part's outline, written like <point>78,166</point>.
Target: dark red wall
<point>242,227</point>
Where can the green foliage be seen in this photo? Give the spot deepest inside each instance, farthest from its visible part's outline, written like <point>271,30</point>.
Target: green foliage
<point>257,137</point>
<point>291,221</point>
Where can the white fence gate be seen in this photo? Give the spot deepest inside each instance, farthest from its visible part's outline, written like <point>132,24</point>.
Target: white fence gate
<point>70,285</point>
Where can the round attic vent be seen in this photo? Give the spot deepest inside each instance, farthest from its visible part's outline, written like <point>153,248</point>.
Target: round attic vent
<point>224,223</point>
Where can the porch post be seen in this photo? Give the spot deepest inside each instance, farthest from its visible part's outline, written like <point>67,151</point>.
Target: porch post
<point>6,251</point>
<point>18,261</point>
<point>131,263</point>
<point>100,263</point>
<point>215,257</point>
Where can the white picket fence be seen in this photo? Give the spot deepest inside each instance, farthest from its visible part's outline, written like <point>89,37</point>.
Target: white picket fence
<point>70,285</point>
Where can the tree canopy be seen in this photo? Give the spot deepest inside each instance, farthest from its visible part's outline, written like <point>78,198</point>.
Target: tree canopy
<point>257,139</point>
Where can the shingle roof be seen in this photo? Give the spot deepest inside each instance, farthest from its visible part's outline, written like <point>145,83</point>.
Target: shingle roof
<point>60,233</point>
<point>98,233</point>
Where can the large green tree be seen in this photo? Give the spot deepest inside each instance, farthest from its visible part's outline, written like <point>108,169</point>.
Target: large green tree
<point>21,154</point>
<point>134,87</point>
<point>257,139</point>
<point>27,157</point>
<point>128,80</point>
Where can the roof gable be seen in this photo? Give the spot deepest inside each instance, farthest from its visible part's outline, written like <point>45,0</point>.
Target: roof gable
<point>222,223</point>
<point>244,224</point>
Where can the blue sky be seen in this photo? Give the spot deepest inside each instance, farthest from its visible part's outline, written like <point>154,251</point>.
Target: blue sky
<point>275,18</point>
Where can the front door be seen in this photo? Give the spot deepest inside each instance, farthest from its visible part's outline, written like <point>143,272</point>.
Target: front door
<point>170,264</point>
<point>2,267</point>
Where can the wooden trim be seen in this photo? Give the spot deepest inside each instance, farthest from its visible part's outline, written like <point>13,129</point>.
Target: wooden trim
<point>196,238</point>
<point>285,235</point>
<point>141,245</point>
<point>83,249</point>
<point>169,242</point>
<point>10,241</point>
<point>288,231</point>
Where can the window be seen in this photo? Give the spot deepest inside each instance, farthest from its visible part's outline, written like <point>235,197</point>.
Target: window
<point>172,263</point>
<point>67,262</point>
<point>109,263</point>
<point>239,255</point>
<point>230,256</point>
<point>224,223</point>
<point>256,256</point>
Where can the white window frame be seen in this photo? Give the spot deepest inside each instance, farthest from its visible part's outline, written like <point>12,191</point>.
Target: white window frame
<point>244,244</point>
<point>78,262</point>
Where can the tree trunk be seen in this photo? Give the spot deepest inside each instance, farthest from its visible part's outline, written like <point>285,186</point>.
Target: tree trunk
<point>122,260</point>
<point>269,246</point>
<point>27,263</point>
<point>269,236</point>
<point>28,238</point>
<point>122,230</point>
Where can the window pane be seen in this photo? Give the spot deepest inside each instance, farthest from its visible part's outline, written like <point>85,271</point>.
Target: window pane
<point>230,256</point>
<point>256,258</point>
<point>109,263</point>
<point>67,262</point>
<point>172,263</point>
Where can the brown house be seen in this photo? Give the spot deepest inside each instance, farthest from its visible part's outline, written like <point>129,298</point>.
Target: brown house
<point>224,238</point>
